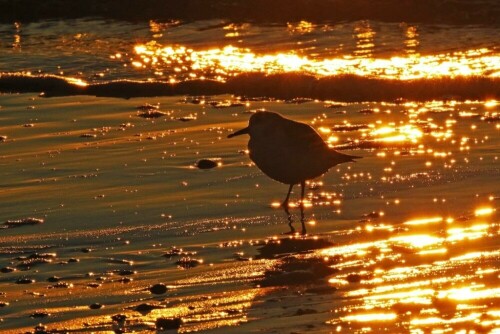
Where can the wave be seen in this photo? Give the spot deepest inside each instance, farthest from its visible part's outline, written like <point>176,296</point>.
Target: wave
<point>435,11</point>
<point>348,88</point>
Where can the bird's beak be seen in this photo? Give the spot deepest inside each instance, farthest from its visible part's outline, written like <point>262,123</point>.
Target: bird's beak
<point>239,132</point>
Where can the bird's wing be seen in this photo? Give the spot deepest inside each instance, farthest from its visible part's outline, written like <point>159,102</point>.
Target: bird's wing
<point>301,136</point>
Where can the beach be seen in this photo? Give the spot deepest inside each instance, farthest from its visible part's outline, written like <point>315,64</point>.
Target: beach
<point>125,208</point>
<point>117,192</point>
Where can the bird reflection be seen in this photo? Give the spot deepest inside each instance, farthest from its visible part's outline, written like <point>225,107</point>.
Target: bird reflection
<point>302,217</point>
<point>289,152</point>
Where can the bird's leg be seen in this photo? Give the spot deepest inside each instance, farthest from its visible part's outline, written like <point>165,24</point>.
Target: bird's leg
<point>302,192</point>
<point>302,217</point>
<point>285,207</point>
<point>290,222</point>
<point>285,202</point>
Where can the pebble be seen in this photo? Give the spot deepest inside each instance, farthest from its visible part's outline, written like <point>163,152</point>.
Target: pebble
<point>24,221</point>
<point>62,285</point>
<point>95,306</point>
<point>146,307</point>
<point>206,164</point>
<point>158,289</point>
<point>39,314</point>
<point>151,114</point>
<point>167,323</point>
<point>124,272</point>
<point>25,280</point>
<point>53,279</point>
<point>125,280</point>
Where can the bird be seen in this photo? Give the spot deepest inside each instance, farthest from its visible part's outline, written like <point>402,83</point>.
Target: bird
<point>288,151</point>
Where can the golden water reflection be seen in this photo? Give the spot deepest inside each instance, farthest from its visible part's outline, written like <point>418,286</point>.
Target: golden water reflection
<point>364,36</point>
<point>429,277</point>
<point>180,62</point>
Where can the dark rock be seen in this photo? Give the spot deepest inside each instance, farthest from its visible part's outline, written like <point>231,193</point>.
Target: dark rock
<point>158,289</point>
<point>27,264</point>
<point>42,256</point>
<point>187,118</point>
<point>206,163</point>
<point>39,314</point>
<point>151,114</point>
<point>125,280</point>
<point>124,272</point>
<point>147,307</point>
<point>95,306</point>
<point>23,222</point>
<point>168,323</point>
<point>62,285</point>
<point>24,280</point>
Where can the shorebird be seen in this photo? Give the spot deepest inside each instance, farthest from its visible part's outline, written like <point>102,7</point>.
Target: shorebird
<point>288,151</point>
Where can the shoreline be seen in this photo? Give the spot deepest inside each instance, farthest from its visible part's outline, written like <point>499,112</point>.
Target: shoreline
<point>345,88</point>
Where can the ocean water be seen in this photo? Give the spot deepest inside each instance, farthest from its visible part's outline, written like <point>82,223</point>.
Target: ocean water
<point>405,240</point>
<point>104,50</point>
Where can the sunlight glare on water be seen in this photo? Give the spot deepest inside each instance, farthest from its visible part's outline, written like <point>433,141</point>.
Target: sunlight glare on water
<point>426,285</point>
<point>220,63</point>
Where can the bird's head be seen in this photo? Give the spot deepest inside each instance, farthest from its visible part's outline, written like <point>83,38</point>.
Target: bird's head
<point>260,122</point>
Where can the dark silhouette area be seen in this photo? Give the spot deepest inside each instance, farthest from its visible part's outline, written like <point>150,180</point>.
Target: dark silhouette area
<point>434,11</point>
<point>348,88</point>
<point>289,152</point>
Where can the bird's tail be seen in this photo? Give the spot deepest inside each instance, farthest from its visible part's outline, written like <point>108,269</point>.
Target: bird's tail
<point>338,158</point>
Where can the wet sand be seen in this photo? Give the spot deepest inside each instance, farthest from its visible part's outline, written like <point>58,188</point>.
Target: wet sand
<point>405,239</point>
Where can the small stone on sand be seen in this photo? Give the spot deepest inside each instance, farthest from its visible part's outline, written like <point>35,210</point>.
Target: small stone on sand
<point>206,163</point>
<point>163,324</point>
<point>24,221</point>
<point>39,314</point>
<point>24,280</point>
<point>95,306</point>
<point>158,289</point>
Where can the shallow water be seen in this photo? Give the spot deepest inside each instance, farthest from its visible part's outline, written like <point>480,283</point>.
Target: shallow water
<point>413,225</point>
